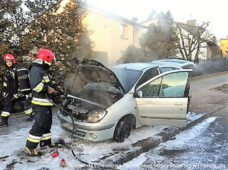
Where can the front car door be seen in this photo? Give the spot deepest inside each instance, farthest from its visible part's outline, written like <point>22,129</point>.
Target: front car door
<point>163,100</point>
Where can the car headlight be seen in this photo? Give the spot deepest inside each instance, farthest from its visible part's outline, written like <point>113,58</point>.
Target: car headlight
<point>96,116</point>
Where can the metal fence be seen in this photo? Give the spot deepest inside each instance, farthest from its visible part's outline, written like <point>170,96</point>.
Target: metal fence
<point>211,66</point>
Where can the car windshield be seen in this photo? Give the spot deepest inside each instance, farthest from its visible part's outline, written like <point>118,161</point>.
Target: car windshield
<point>127,77</point>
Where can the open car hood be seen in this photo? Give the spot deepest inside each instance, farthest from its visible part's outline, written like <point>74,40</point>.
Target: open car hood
<point>89,71</point>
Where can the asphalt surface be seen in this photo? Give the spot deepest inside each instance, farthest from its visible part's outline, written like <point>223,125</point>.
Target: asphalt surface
<point>204,97</point>
<point>205,151</point>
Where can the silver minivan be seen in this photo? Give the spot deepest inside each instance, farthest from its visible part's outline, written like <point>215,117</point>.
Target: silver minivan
<point>107,104</point>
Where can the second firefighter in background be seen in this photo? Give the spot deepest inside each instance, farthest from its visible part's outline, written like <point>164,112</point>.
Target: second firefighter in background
<point>42,85</point>
<point>15,88</point>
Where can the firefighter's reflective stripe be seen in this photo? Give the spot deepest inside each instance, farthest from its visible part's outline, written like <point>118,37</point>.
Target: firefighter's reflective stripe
<point>34,139</point>
<point>48,63</point>
<point>5,84</point>
<point>46,136</point>
<point>46,79</point>
<point>22,69</point>
<point>22,77</point>
<point>25,90</point>
<point>28,112</point>
<point>5,114</point>
<point>22,73</point>
<point>39,87</point>
<point>42,102</point>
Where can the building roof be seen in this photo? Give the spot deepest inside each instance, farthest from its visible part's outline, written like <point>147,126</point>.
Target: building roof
<point>194,30</point>
<point>113,16</point>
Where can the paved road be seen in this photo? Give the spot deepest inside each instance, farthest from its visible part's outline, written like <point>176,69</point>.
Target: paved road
<point>204,98</point>
<point>202,147</point>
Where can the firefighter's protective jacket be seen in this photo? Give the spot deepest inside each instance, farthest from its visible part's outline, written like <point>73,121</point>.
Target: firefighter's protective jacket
<point>16,85</point>
<point>16,81</point>
<point>39,82</point>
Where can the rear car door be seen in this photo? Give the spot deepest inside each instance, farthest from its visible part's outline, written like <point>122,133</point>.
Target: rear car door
<point>163,100</point>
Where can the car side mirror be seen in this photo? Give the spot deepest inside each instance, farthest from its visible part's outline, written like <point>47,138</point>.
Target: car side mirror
<point>140,94</point>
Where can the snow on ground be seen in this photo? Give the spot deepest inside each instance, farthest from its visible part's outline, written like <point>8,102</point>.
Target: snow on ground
<point>183,138</point>
<point>12,144</point>
<point>95,151</point>
<point>134,163</point>
<point>180,142</point>
<point>191,116</point>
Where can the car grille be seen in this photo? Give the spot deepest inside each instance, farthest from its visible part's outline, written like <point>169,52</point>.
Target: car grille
<point>69,128</point>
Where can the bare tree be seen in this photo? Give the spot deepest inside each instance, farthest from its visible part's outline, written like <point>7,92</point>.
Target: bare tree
<point>161,40</point>
<point>192,39</point>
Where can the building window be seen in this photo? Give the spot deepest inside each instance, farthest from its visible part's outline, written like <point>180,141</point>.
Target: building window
<point>136,35</point>
<point>121,53</point>
<point>123,31</point>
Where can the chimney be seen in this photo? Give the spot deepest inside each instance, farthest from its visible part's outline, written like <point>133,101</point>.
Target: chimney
<point>191,22</point>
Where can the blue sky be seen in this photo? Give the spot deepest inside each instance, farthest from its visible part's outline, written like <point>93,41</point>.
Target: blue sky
<point>202,10</point>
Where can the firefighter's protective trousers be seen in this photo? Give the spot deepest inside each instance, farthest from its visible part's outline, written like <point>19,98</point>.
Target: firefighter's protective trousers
<point>8,105</point>
<point>41,130</point>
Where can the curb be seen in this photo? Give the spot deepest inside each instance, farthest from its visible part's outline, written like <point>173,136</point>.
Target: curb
<point>145,145</point>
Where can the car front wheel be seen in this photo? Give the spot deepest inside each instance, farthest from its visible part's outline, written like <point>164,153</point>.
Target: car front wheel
<point>123,129</point>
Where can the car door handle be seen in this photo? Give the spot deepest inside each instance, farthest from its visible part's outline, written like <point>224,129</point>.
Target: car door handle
<point>178,103</point>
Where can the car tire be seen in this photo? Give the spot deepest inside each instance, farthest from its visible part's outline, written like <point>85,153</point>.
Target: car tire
<point>123,129</point>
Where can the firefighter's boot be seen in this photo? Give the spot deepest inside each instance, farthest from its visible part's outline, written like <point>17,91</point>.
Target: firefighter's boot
<point>32,152</point>
<point>4,121</point>
<point>49,144</point>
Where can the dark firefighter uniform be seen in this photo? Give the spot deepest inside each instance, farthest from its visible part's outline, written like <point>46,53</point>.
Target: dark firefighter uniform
<point>16,86</point>
<point>40,82</point>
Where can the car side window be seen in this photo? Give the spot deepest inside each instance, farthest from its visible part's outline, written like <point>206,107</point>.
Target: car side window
<point>169,86</point>
<point>174,85</point>
<point>147,76</point>
<point>152,89</point>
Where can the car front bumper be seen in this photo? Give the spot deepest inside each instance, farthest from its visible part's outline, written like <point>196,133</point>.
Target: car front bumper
<point>89,131</point>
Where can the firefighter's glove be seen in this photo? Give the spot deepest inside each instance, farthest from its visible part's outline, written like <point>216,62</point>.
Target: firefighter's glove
<point>5,95</point>
<point>30,118</point>
<point>28,96</point>
<point>60,90</point>
<point>10,75</point>
<point>17,95</point>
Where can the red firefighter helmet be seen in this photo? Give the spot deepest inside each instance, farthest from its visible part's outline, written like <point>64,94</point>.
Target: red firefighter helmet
<point>9,57</point>
<point>46,55</point>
